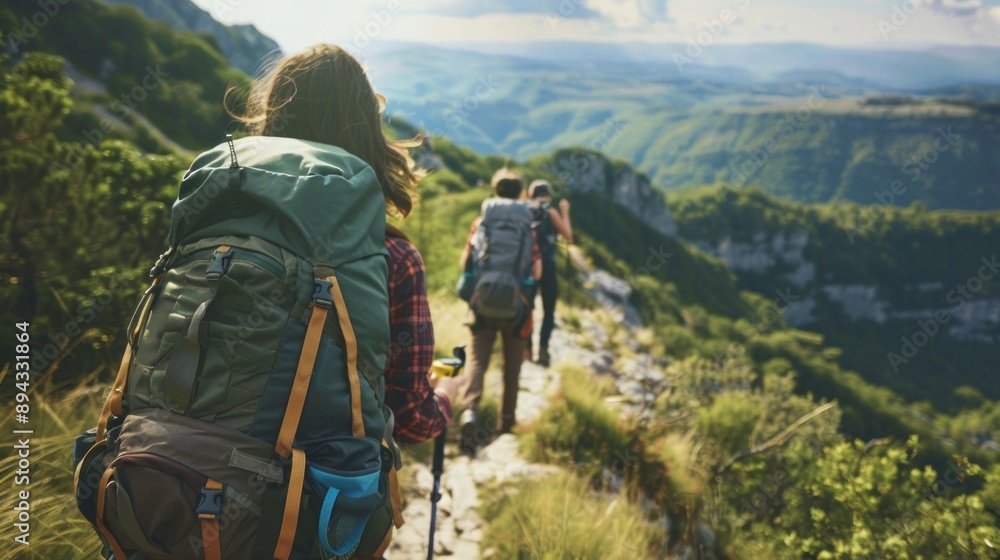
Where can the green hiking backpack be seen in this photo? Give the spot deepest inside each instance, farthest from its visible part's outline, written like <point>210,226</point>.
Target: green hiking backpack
<point>247,419</point>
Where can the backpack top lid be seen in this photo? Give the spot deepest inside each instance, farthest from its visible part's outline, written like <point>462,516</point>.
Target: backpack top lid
<point>503,238</point>
<point>300,195</point>
<point>499,209</point>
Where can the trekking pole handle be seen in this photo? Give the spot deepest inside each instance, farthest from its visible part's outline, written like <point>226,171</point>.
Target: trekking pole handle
<point>459,352</point>
<point>438,467</point>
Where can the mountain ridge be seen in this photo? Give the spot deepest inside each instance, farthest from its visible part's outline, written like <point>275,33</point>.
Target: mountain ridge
<point>244,46</point>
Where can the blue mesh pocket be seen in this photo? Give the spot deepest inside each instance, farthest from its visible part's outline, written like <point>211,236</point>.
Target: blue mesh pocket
<point>348,503</point>
<point>350,491</point>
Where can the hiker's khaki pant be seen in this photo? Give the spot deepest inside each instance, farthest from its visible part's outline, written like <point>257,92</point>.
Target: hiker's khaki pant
<point>483,337</point>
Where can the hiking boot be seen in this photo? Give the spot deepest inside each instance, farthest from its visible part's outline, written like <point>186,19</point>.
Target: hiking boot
<point>544,359</point>
<point>505,426</point>
<point>469,423</point>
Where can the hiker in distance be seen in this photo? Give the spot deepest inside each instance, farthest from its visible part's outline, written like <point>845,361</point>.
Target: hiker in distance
<point>549,222</point>
<point>502,256</point>
<point>276,441</point>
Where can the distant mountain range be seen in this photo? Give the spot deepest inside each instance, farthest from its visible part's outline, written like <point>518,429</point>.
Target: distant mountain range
<point>808,133</point>
<point>916,69</point>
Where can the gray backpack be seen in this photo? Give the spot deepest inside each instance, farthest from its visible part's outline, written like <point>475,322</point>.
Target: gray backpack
<point>501,256</point>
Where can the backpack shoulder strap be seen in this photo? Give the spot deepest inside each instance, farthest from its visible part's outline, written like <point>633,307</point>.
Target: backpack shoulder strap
<point>113,403</point>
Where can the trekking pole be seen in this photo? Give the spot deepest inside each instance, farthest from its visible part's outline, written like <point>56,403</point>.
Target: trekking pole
<point>449,367</point>
<point>437,470</point>
<point>569,260</point>
<point>569,246</point>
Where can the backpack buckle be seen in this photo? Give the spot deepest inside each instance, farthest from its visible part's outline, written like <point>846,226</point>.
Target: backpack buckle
<point>157,269</point>
<point>161,263</point>
<point>323,293</point>
<point>221,260</point>
<point>210,506</point>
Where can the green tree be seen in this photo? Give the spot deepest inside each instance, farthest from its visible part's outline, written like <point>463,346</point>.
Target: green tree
<point>81,223</point>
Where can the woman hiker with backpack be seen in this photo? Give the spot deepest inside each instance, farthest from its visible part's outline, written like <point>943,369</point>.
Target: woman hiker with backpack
<point>323,95</point>
<point>502,254</point>
<point>548,223</point>
<point>285,229</point>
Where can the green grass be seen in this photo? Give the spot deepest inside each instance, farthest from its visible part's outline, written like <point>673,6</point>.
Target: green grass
<point>450,316</point>
<point>559,517</point>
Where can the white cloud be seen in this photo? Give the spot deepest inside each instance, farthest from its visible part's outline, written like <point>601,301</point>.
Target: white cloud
<point>630,14</point>
<point>464,8</point>
<point>495,28</point>
<point>844,23</point>
<point>956,7</point>
<point>654,9</point>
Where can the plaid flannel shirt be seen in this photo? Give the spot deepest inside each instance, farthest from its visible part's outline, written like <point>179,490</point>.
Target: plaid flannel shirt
<point>420,413</point>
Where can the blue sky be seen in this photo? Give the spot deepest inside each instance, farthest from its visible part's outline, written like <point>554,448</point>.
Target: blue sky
<point>870,23</point>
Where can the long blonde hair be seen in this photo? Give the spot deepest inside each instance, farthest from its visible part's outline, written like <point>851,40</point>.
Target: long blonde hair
<point>322,94</point>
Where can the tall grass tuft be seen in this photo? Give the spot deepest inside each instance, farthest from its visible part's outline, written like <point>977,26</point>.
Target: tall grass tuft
<point>578,427</point>
<point>560,517</point>
<point>58,530</point>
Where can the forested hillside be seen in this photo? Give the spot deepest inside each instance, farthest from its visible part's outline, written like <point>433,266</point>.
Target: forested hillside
<point>243,45</point>
<point>130,71</point>
<point>911,295</point>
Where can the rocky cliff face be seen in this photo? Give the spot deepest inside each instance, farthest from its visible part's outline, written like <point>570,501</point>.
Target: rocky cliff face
<point>586,171</point>
<point>781,255</point>
<point>763,253</point>
<point>243,45</point>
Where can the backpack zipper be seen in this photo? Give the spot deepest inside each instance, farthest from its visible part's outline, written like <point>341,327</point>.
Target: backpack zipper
<point>249,256</point>
<point>261,260</point>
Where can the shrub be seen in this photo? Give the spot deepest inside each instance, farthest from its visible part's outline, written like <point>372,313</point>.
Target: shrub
<point>578,427</point>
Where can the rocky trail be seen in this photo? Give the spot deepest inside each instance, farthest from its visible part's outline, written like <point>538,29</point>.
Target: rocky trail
<point>460,529</point>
